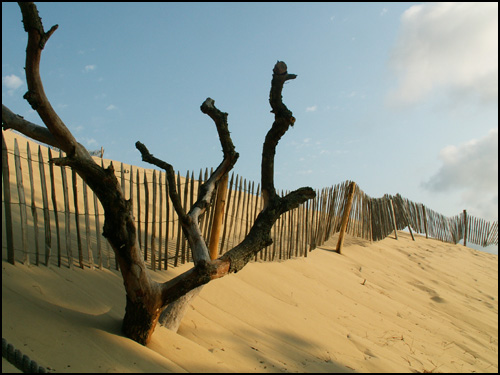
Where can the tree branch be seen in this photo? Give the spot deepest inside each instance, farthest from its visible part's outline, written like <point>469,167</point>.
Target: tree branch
<point>220,119</point>
<point>283,120</point>
<point>174,196</point>
<point>12,121</point>
<point>190,221</point>
<point>35,95</point>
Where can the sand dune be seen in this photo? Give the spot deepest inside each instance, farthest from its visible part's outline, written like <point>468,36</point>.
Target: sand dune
<point>390,306</point>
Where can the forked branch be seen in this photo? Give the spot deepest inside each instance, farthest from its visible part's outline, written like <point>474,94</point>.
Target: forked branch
<point>189,221</point>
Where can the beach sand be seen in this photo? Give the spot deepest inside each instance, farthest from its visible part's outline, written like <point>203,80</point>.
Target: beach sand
<point>391,306</point>
<point>388,306</point>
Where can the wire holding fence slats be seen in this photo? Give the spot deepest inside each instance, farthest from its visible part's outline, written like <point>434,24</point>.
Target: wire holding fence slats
<point>160,237</point>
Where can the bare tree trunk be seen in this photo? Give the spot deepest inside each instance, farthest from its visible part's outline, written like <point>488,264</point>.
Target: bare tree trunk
<point>145,299</point>
<point>173,314</point>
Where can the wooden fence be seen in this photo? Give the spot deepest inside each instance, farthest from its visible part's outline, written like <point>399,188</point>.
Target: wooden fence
<point>61,220</point>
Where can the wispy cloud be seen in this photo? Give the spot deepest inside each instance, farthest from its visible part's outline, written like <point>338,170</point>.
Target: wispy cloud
<point>451,47</point>
<point>383,11</point>
<point>91,142</point>
<point>471,169</point>
<point>313,108</point>
<point>12,83</point>
<point>110,107</point>
<point>89,68</point>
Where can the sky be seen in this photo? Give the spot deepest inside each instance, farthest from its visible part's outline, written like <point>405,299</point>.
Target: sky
<point>398,97</point>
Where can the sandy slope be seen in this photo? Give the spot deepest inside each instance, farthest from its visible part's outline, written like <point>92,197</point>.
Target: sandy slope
<point>387,306</point>
<point>425,305</point>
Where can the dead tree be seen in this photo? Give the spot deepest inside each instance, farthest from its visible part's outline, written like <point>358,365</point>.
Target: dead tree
<point>145,299</point>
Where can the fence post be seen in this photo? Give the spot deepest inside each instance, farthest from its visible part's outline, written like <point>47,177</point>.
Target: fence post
<point>77,218</point>
<point>153,225</point>
<point>33,205</point>
<point>87,225</point>
<point>213,245</point>
<point>146,202</point>
<point>66,214</point>
<point>227,213</point>
<point>22,203</point>
<point>465,228</point>
<point>406,210</point>
<point>425,221</point>
<point>46,213</point>
<point>393,219</point>
<point>8,212</point>
<point>54,204</point>
<point>345,217</point>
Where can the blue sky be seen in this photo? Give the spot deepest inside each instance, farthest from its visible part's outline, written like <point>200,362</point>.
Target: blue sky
<point>399,97</point>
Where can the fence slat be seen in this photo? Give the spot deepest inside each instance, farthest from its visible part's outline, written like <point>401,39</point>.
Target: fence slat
<point>54,204</point>
<point>153,225</point>
<point>97,231</point>
<point>22,203</point>
<point>7,204</point>
<point>87,225</point>
<point>185,206</point>
<point>34,213</point>
<point>160,227</point>
<point>178,246</point>
<point>66,215</point>
<point>45,205</point>
<point>146,216</point>
<point>167,216</point>
<point>226,208</point>
<point>232,218</point>
<point>139,235</point>
<point>77,218</point>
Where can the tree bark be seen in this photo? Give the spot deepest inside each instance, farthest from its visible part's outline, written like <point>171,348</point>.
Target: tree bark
<point>145,299</point>
<point>171,317</point>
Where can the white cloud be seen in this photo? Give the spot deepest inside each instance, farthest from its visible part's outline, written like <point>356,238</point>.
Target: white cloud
<point>313,108</point>
<point>471,169</point>
<point>89,68</point>
<point>90,142</point>
<point>447,46</point>
<point>12,83</point>
<point>110,107</point>
<point>383,11</point>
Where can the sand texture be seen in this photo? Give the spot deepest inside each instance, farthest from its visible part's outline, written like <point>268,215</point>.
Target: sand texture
<point>394,305</point>
<point>388,306</point>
